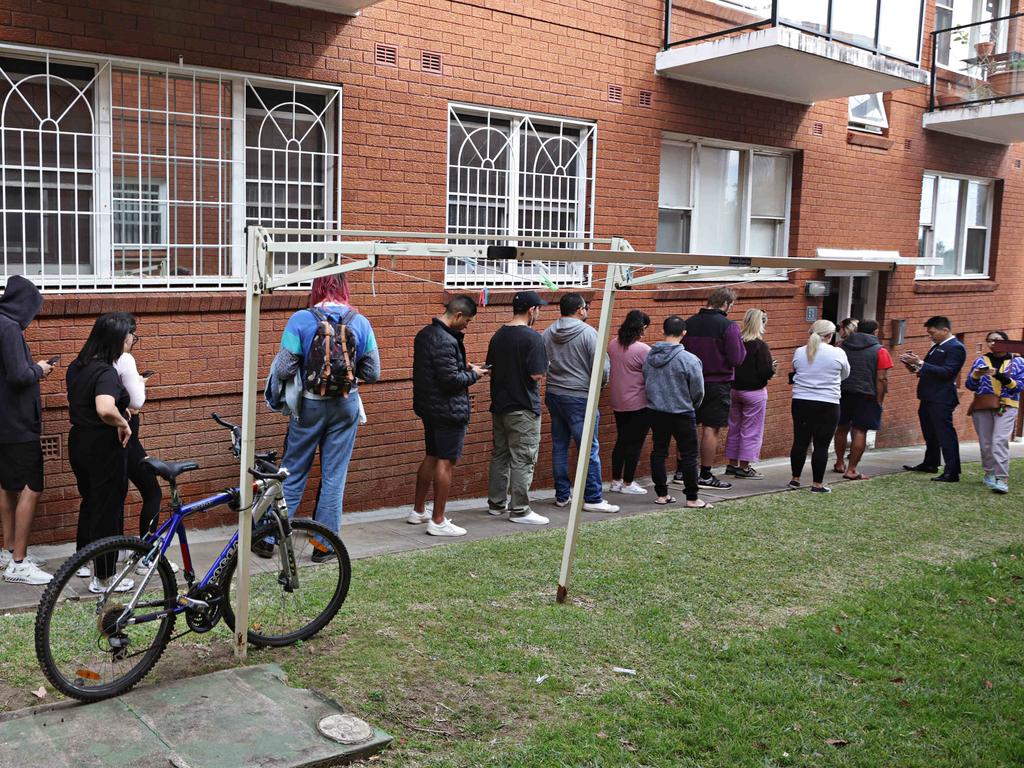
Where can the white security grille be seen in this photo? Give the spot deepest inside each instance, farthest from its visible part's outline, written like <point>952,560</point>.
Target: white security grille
<point>124,174</point>
<point>529,177</point>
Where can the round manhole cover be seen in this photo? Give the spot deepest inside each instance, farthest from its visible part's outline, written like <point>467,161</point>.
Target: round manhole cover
<point>345,729</point>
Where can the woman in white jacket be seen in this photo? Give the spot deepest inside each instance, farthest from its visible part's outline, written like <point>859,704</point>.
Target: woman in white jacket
<point>818,371</point>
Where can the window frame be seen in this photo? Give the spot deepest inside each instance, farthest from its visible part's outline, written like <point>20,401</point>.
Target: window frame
<point>746,162</point>
<point>230,199</point>
<point>926,232</point>
<point>863,124</point>
<point>977,10</point>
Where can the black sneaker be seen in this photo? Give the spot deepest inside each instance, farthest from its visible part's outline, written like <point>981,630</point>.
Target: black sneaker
<point>712,482</point>
<point>747,472</point>
<point>321,556</point>
<point>263,548</point>
<point>731,469</point>
<point>678,479</point>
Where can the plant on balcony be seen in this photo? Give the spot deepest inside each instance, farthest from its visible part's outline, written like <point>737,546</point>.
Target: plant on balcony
<point>1007,79</point>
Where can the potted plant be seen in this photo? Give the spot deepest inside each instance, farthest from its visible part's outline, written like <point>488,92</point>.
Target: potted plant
<point>984,48</point>
<point>1008,78</point>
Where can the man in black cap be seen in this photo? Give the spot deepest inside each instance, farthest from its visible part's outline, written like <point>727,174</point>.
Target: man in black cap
<point>518,362</point>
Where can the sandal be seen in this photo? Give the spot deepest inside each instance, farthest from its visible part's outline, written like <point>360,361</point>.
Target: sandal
<point>858,476</point>
<point>703,505</point>
<point>839,469</point>
<point>668,500</point>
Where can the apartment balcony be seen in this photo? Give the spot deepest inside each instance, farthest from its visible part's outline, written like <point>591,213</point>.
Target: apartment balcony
<point>341,7</point>
<point>978,80</point>
<point>795,50</point>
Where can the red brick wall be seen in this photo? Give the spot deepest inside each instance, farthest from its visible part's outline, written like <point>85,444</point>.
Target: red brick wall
<point>550,57</point>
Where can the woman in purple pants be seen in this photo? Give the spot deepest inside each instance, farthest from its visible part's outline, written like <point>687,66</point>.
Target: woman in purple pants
<point>749,399</point>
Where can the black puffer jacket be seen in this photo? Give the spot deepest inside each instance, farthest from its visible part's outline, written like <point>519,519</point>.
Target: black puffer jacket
<point>440,380</point>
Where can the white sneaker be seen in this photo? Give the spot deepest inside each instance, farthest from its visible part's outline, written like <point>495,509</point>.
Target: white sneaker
<point>561,504</point>
<point>446,528</point>
<point>496,512</point>
<point>26,573</point>
<point>84,572</point>
<point>599,506</point>
<point>141,569</point>
<point>99,586</point>
<point>418,518</point>
<point>7,557</point>
<point>615,486</point>
<point>530,518</point>
<point>633,489</point>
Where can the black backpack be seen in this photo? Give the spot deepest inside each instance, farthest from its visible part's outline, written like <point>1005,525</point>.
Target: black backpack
<point>330,367</point>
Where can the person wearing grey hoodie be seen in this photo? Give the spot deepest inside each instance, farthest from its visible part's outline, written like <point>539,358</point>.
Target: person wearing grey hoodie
<point>21,454</point>
<point>674,384</point>
<point>571,345</point>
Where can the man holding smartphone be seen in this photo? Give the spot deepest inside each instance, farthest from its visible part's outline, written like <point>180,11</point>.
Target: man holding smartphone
<point>21,454</point>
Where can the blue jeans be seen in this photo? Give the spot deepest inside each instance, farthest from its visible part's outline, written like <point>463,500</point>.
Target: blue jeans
<point>331,426</point>
<point>567,415</point>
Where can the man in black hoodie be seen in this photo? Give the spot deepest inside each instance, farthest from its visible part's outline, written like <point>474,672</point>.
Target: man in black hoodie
<point>21,455</point>
<point>864,390</point>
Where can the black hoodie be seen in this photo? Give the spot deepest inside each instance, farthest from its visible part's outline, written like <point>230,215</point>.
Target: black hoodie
<point>20,407</point>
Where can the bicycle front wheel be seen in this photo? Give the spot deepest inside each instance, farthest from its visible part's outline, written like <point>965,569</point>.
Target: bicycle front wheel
<point>90,646</point>
<point>276,616</point>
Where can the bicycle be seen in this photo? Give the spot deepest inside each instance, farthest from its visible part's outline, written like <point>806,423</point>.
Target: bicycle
<point>93,650</point>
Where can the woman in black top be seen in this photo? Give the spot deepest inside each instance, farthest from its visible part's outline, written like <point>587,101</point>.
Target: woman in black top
<point>97,403</point>
<point>749,399</point>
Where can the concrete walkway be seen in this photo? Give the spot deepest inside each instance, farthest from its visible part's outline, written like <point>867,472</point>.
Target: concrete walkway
<point>382,531</point>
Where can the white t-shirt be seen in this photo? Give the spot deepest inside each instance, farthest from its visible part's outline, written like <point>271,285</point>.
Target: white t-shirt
<point>821,379</point>
<point>131,380</point>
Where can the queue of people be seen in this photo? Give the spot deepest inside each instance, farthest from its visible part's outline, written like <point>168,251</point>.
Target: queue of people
<point>706,373</point>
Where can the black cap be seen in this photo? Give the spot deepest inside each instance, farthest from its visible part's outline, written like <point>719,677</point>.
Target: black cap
<point>524,300</point>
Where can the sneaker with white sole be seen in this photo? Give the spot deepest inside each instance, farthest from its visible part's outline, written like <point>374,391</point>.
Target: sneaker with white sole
<point>633,489</point>
<point>99,586</point>
<point>530,518</point>
<point>26,573</point>
<point>142,569</point>
<point>7,557</point>
<point>615,486</point>
<point>418,518</point>
<point>679,478</point>
<point>1000,485</point>
<point>599,506</point>
<point>445,528</point>
<point>84,572</point>
<point>496,511</point>
<point>562,504</point>
<point>988,481</point>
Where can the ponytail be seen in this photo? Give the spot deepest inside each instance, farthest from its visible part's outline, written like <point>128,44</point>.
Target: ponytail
<point>820,331</point>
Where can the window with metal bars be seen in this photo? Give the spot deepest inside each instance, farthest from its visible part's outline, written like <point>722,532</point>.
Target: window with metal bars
<point>120,174</point>
<point>524,176</point>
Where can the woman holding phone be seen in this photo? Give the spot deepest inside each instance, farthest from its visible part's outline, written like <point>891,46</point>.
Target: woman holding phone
<point>996,380</point>
<point>98,404</point>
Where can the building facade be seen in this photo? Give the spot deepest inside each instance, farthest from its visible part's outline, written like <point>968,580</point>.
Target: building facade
<point>140,139</point>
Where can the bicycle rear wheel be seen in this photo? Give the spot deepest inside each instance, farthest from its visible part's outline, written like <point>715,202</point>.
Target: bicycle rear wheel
<point>278,617</point>
<point>86,649</point>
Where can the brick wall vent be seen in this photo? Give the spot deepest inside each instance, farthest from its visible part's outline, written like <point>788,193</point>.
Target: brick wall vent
<point>431,62</point>
<point>615,93</point>
<point>51,446</point>
<point>908,144</point>
<point>818,129</point>
<point>386,55</point>
<point>1017,164</point>
<point>646,98</point>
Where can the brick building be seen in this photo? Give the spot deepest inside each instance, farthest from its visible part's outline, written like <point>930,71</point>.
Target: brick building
<point>139,138</point>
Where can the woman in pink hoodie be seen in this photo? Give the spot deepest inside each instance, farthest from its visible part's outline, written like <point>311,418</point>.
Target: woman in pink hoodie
<point>626,387</point>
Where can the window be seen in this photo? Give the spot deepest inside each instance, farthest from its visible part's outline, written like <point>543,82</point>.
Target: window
<point>954,50</point>
<point>867,113</point>
<point>956,218</point>
<point>114,174</point>
<point>723,199</point>
<point>524,176</point>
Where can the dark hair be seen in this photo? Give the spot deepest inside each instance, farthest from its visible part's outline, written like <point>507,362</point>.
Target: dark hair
<point>1004,334</point>
<point>939,321</point>
<point>868,326</point>
<point>570,304</point>
<point>633,327</point>
<point>461,304</point>
<point>674,325</point>
<point>106,340</point>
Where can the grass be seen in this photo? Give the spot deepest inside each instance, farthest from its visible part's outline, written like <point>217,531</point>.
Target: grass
<point>880,625</point>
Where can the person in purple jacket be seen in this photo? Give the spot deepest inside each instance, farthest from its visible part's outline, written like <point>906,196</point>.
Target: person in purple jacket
<point>716,341</point>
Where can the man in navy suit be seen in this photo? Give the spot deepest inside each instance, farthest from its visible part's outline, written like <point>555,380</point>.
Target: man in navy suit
<point>936,389</point>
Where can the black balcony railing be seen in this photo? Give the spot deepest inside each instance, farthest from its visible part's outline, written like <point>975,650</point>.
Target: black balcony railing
<point>978,63</point>
<point>894,29</point>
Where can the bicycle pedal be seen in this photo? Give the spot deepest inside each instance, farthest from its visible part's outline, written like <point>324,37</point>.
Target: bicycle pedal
<point>189,602</point>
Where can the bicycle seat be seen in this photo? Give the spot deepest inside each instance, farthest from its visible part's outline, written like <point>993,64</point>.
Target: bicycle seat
<point>168,470</point>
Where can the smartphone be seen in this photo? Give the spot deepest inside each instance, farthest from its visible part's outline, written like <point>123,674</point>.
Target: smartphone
<point>146,374</point>
<point>486,366</point>
<point>53,360</point>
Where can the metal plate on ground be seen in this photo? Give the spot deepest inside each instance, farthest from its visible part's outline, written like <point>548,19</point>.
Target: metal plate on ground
<point>345,729</point>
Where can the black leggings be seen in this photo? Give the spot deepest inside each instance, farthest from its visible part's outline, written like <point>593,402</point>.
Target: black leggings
<point>144,480</point>
<point>98,461</point>
<point>631,431</point>
<point>814,421</point>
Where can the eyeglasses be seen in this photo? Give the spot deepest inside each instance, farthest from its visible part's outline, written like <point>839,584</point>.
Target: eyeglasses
<point>993,341</point>
<point>135,337</point>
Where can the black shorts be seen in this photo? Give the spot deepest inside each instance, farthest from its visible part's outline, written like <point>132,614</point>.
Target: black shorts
<point>444,439</point>
<point>714,408</point>
<point>860,411</point>
<point>21,464</point>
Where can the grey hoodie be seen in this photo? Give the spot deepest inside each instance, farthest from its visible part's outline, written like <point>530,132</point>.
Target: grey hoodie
<point>570,344</point>
<point>673,379</point>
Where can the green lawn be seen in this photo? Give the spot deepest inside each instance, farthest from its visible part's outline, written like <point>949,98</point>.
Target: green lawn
<point>877,626</point>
